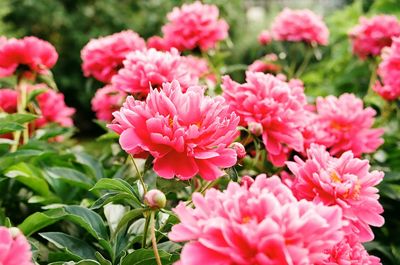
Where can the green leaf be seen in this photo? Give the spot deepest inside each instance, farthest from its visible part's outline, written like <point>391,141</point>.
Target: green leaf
<point>169,246</point>
<point>7,127</point>
<point>91,163</point>
<point>38,221</point>
<point>114,184</point>
<point>34,93</point>
<point>70,244</point>
<point>145,257</point>
<point>129,216</point>
<point>20,118</point>
<point>113,197</point>
<point>70,176</point>
<point>108,136</point>
<point>171,185</point>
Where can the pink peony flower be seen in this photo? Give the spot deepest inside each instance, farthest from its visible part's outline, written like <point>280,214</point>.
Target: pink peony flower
<point>194,25</point>
<point>14,248</point>
<point>315,131</point>
<point>264,67</point>
<point>389,72</point>
<point>266,100</point>
<point>186,133</point>
<point>199,67</point>
<point>350,252</point>
<point>265,37</point>
<point>53,108</point>
<point>255,225</point>
<point>151,68</point>
<point>8,100</point>
<point>106,101</point>
<point>36,54</point>
<point>349,124</point>
<point>158,43</point>
<point>371,35</point>
<point>345,181</point>
<point>299,25</point>
<point>103,57</point>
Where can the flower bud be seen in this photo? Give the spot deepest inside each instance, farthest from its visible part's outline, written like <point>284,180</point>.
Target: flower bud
<point>246,181</point>
<point>239,149</point>
<point>255,128</point>
<point>155,199</point>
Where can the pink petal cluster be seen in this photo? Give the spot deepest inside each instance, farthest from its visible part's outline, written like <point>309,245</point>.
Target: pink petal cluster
<point>256,224</point>
<point>158,43</point>
<point>151,68</point>
<point>53,108</point>
<point>275,105</point>
<point>194,25</point>
<point>8,100</point>
<point>106,101</point>
<point>371,35</point>
<point>264,38</point>
<point>315,132</point>
<point>199,67</point>
<point>14,249</point>
<point>186,133</point>
<point>36,54</point>
<point>345,181</point>
<point>103,57</point>
<point>299,25</point>
<point>348,124</point>
<point>349,252</point>
<point>389,72</point>
<point>266,64</point>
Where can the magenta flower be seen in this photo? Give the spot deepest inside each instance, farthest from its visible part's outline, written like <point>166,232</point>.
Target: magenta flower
<point>255,224</point>
<point>345,181</point>
<point>106,101</point>
<point>349,124</point>
<point>349,252</point>
<point>151,68</point>
<point>14,248</point>
<point>299,25</point>
<point>371,35</point>
<point>194,25</point>
<point>172,126</point>
<point>389,72</point>
<point>8,100</point>
<point>158,43</point>
<point>103,57</point>
<point>36,54</point>
<point>266,100</point>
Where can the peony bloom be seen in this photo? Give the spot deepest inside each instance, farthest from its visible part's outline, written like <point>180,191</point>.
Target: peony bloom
<point>266,64</point>
<point>158,43</point>
<point>389,72</point>
<point>199,68</point>
<point>52,108</point>
<point>349,124</point>
<point>14,248</point>
<point>8,100</point>
<point>36,54</point>
<point>345,181</point>
<point>316,131</point>
<point>266,100</point>
<point>194,25</point>
<point>371,35</point>
<point>350,252</point>
<point>151,68</point>
<point>103,57</point>
<point>299,25</point>
<point>265,37</point>
<point>106,101</point>
<point>255,224</point>
<point>186,133</point>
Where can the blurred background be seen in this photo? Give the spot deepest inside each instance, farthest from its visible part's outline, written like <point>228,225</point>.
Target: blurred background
<point>69,25</point>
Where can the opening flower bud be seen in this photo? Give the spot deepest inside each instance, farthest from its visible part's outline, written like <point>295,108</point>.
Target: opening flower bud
<point>255,128</point>
<point>239,149</point>
<point>246,181</point>
<point>155,199</point>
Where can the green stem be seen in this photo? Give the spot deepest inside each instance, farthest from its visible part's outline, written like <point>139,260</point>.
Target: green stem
<point>146,228</point>
<point>153,238</point>
<point>140,175</point>
<point>21,106</point>
<point>304,64</point>
<point>372,81</point>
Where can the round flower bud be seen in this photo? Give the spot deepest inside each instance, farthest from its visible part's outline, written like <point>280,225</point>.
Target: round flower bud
<point>246,181</point>
<point>239,149</point>
<point>255,128</point>
<point>155,199</point>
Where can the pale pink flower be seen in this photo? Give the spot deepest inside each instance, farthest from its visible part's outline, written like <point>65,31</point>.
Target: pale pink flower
<point>36,54</point>
<point>186,133</point>
<point>8,100</point>
<point>255,224</point>
<point>103,57</point>
<point>14,248</point>
<point>349,252</point>
<point>194,25</point>
<point>389,72</point>
<point>52,108</point>
<point>345,181</point>
<point>151,68</point>
<point>264,38</point>
<point>272,103</point>
<point>371,35</point>
<point>346,120</point>
<point>299,25</point>
<point>106,101</point>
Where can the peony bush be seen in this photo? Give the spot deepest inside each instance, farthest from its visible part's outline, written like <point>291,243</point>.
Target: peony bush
<point>199,161</point>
